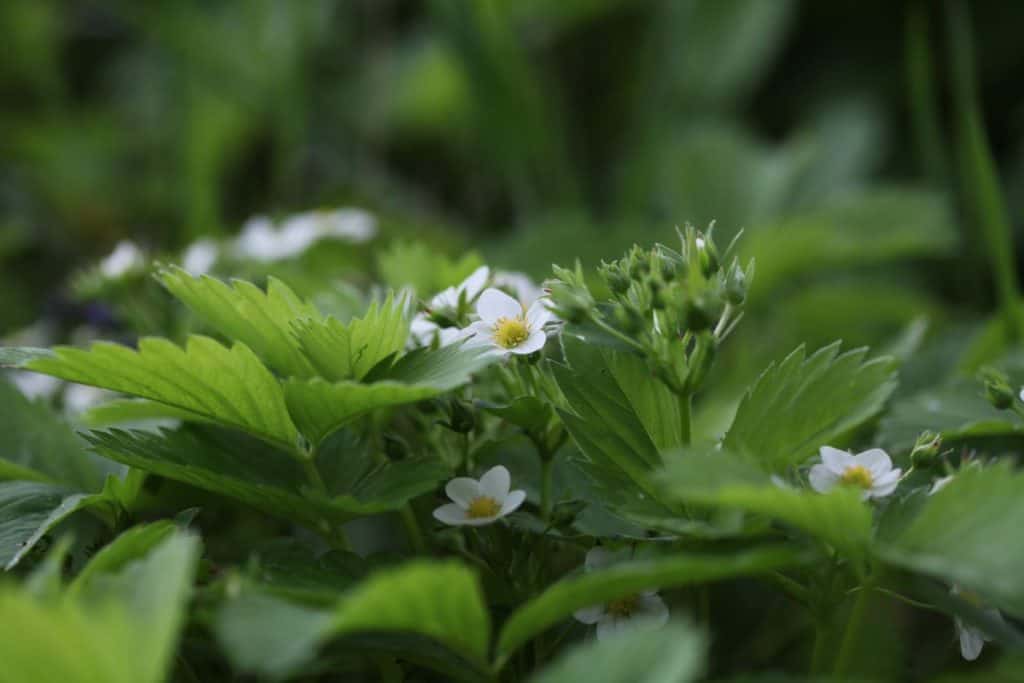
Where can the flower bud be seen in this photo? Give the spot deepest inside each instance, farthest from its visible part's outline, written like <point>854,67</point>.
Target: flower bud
<point>997,389</point>
<point>926,449</point>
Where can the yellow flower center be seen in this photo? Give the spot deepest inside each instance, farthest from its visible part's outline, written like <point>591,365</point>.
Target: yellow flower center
<point>858,475</point>
<point>510,332</point>
<point>484,506</point>
<point>623,607</point>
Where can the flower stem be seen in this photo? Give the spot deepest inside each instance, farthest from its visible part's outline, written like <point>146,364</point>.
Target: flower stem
<point>546,471</point>
<point>684,419</point>
<point>820,649</point>
<point>412,527</point>
<point>854,625</point>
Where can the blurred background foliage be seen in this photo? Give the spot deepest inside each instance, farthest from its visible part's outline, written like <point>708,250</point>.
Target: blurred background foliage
<point>534,132</point>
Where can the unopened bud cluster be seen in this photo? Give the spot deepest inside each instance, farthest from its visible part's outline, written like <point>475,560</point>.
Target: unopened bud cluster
<point>673,305</point>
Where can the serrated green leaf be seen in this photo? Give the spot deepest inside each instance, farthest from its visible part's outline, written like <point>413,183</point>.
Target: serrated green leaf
<point>30,510</point>
<point>243,312</point>
<point>568,595</point>
<point>36,444</point>
<point>719,479</point>
<point>672,654</point>
<point>969,533</point>
<point>253,472</point>
<point>805,402</point>
<point>348,351</point>
<point>321,408</point>
<point>228,386</point>
<point>656,407</point>
<point>134,410</point>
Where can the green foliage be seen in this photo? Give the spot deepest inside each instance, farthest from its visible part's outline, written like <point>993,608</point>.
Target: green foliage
<point>673,654</point>
<point>244,313</point>
<point>259,475</point>
<point>29,511</point>
<point>349,351</point>
<point>719,479</point>
<point>805,402</point>
<point>967,533</point>
<point>36,444</point>
<point>597,587</point>
<point>226,385</point>
<point>125,628</point>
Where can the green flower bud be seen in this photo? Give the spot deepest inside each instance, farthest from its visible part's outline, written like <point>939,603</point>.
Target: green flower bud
<point>926,449</point>
<point>997,389</point>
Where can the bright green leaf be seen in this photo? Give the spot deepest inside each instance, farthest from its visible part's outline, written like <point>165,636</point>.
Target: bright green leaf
<point>243,312</point>
<point>806,402</point>
<point>229,386</point>
<point>30,510</point>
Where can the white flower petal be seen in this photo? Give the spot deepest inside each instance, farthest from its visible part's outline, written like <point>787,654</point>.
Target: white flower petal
<point>589,615</point>
<point>451,514</point>
<point>538,315</point>
<point>835,459</point>
<point>474,284</point>
<point>494,304</point>
<point>822,478</point>
<point>940,484</point>
<point>886,486</point>
<point>598,557</point>
<point>482,521</point>
<point>535,342</point>
<point>496,482</point>
<point>200,257</point>
<point>448,298</point>
<point>512,502</point>
<point>971,641</point>
<point>875,460</point>
<point>463,490</point>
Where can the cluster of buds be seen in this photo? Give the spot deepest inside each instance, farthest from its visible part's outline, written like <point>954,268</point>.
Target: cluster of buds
<point>673,306</point>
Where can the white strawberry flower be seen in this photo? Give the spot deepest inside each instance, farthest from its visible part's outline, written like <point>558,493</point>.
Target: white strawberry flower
<point>871,471</point>
<point>424,331</point>
<point>200,257</point>
<point>972,639</point>
<point>644,610</point>
<point>125,258</point>
<point>518,285</point>
<point>480,502</point>
<point>506,327</point>
<point>469,289</point>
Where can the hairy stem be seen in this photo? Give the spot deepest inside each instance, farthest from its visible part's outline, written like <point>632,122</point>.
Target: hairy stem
<point>547,471</point>
<point>851,635</point>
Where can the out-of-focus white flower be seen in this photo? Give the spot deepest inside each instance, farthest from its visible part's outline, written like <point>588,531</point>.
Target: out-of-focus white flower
<point>480,502</point>
<point>200,256</point>
<point>940,484</point>
<point>518,285</point>
<point>467,290</point>
<point>644,610</point>
<point>33,385</point>
<point>506,327</point>
<point>425,331</point>
<point>125,258</point>
<point>261,241</point>
<point>79,398</point>
<point>972,639</point>
<point>871,471</point>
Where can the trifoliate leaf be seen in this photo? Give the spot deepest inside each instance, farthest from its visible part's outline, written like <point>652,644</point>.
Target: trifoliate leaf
<point>344,351</point>
<point>228,386</point>
<point>805,402</point>
<point>243,312</point>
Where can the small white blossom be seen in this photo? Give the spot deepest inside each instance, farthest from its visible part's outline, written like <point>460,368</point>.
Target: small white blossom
<point>469,289</point>
<point>480,502</point>
<point>125,258</point>
<point>261,241</point>
<point>871,470</point>
<point>200,257</point>
<point>518,285</point>
<point>34,386</point>
<point>506,327</point>
<point>424,331</point>
<point>644,610</point>
<point>972,639</point>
